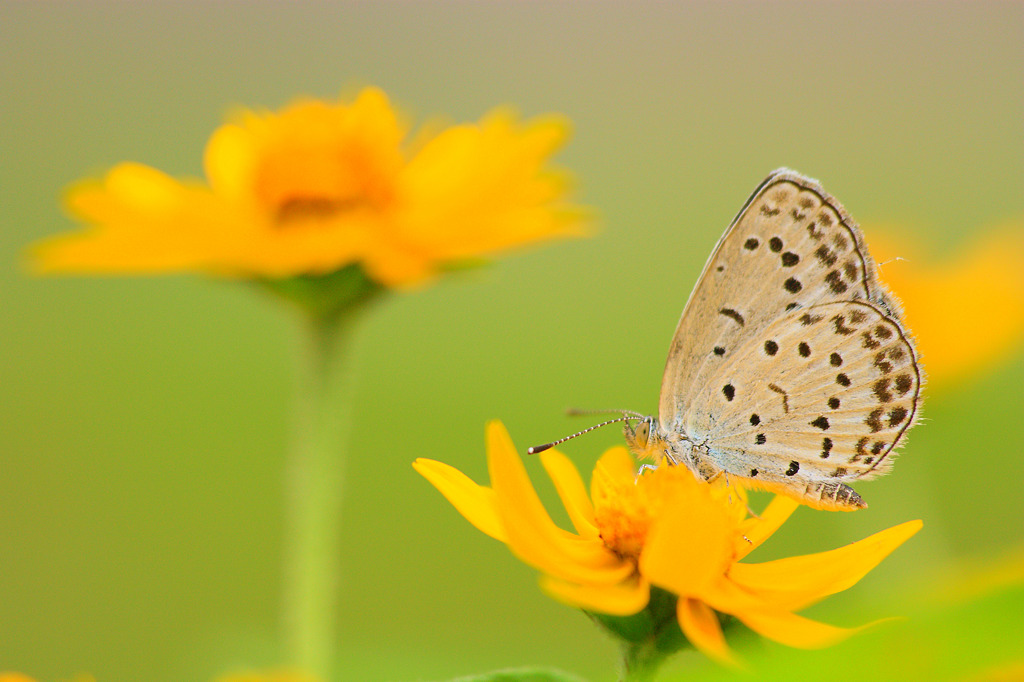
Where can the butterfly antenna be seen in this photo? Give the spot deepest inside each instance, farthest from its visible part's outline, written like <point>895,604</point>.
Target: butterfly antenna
<point>541,448</point>
<point>576,412</point>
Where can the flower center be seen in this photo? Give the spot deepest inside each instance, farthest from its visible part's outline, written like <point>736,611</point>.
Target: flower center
<point>300,185</point>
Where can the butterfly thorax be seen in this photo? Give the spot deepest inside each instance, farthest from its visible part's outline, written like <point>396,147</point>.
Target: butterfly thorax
<point>650,440</point>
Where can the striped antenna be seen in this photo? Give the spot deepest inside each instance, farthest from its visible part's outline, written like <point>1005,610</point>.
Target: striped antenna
<point>541,448</point>
<point>576,412</point>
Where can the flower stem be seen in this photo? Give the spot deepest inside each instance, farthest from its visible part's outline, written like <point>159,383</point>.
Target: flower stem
<point>641,660</point>
<point>315,485</point>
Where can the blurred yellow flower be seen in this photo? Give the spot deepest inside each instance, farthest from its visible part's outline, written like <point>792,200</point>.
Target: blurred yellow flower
<point>967,312</point>
<point>664,529</point>
<point>321,185</point>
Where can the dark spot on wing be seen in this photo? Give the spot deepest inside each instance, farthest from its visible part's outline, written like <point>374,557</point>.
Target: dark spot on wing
<point>785,397</point>
<point>874,420</point>
<point>775,244</point>
<point>897,415</point>
<point>761,439</point>
<point>836,359</point>
<point>729,391</point>
<point>751,244</point>
<point>861,449</point>
<point>821,423</point>
<point>807,319</point>
<point>883,365</point>
<point>904,383</point>
<point>833,403</point>
<point>840,324</point>
<point>794,466</point>
<point>770,347</point>
<point>792,285</point>
<point>730,313</point>
<point>755,419</point>
<point>719,350</point>
<point>826,447</point>
<point>789,259</point>
<point>881,389</point>
<point>835,282</point>
<point>825,256</point>
<point>804,350</point>
<point>842,379</point>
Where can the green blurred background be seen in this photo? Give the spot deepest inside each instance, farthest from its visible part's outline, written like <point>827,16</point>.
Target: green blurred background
<point>143,420</point>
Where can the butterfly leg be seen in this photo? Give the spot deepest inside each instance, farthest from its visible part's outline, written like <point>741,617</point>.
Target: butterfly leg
<point>643,469</point>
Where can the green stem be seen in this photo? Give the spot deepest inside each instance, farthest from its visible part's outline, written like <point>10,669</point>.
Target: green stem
<point>641,660</point>
<point>315,485</point>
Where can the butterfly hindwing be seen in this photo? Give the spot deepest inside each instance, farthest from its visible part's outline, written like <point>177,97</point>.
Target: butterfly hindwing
<point>837,386</point>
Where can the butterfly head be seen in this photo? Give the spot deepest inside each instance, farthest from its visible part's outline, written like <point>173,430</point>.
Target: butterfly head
<point>644,439</point>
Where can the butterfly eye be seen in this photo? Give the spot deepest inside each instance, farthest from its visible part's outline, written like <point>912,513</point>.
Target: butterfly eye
<point>643,432</point>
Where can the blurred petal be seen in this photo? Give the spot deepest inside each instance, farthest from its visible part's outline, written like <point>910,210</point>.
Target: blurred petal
<point>230,160</point>
<point>473,501</point>
<point>570,488</point>
<point>700,625</point>
<point>796,582</point>
<point>983,282</point>
<point>531,533</point>
<point>623,599</point>
<point>480,188</point>
<point>755,530</point>
<point>793,630</point>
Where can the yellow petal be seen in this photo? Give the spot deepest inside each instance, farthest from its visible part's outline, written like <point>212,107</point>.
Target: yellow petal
<point>623,599</point>
<point>230,161</point>
<point>795,582</point>
<point>477,189</point>
<point>15,677</point>
<point>570,488</point>
<point>690,546</point>
<point>142,221</point>
<point>475,502</point>
<point>793,630</point>
<point>700,625</point>
<point>755,530</point>
<point>616,466</point>
<point>531,533</point>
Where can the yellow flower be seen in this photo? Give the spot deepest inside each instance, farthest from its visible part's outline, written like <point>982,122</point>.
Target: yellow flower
<point>967,313</point>
<point>322,185</point>
<point>662,529</point>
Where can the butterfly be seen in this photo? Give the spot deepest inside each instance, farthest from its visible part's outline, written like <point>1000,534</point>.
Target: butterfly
<point>790,367</point>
